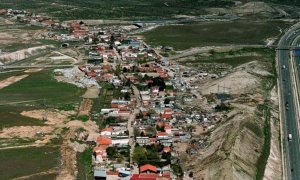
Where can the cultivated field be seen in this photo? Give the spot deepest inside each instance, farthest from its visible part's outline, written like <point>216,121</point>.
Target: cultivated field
<point>231,58</point>
<point>40,86</point>
<point>27,161</point>
<point>215,33</point>
<point>107,9</point>
<point>38,90</point>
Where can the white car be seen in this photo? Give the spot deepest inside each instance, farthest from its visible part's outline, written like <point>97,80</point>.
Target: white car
<point>290,137</point>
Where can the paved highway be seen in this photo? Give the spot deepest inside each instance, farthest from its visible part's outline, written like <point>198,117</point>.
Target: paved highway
<point>289,106</point>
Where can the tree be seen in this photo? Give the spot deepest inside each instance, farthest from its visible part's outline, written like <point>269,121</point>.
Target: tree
<point>167,101</point>
<point>166,156</point>
<point>112,152</point>
<point>161,129</point>
<point>136,132</point>
<point>118,70</point>
<point>127,96</point>
<point>139,154</point>
<point>125,70</point>
<point>212,51</point>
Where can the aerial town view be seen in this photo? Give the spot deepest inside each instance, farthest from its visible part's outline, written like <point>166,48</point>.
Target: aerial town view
<point>149,90</point>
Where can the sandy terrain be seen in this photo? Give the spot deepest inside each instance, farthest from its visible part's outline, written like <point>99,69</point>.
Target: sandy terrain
<point>25,131</point>
<point>11,80</point>
<point>54,118</point>
<point>85,107</point>
<point>273,169</point>
<point>33,70</point>
<point>244,79</point>
<point>21,54</point>
<point>92,92</point>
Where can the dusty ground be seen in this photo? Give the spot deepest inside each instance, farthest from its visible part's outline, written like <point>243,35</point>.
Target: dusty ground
<point>25,131</point>
<point>236,144</point>
<point>273,169</point>
<point>11,80</point>
<point>92,92</point>
<point>244,79</point>
<point>22,54</point>
<point>85,107</point>
<point>68,162</point>
<point>33,70</point>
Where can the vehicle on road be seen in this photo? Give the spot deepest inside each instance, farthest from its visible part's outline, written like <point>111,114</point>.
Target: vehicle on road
<point>283,66</point>
<point>290,137</point>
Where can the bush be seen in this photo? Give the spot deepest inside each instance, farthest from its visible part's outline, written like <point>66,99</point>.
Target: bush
<point>83,118</point>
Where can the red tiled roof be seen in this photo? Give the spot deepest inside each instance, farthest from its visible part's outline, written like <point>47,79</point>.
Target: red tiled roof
<point>109,129</point>
<point>112,173</point>
<point>144,177</point>
<point>167,126</point>
<point>161,134</point>
<point>160,124</point>
<point>104,141</point>
<point>148,167</point>
<point>167,149</point>
<point>99,148</point>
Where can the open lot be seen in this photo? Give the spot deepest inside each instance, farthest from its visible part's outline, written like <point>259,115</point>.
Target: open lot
<point>26,161</point>
<point>14,37</point>
<point>215,33</point>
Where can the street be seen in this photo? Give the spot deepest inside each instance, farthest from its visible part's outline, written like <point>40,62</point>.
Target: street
<point>289,107</point>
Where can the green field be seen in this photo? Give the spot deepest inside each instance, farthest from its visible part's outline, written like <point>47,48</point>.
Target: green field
<point>114,9</point>
<point>26,161</point>
<point>7,74</point>
<point>183,37</point>
<point>39,90</point>
<point>42,87</point>
<point>10,116</point>
<point>234,58</point>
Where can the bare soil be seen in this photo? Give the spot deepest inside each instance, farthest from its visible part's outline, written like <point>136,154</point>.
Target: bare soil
<point>11,80</point>
<point>85,107</point>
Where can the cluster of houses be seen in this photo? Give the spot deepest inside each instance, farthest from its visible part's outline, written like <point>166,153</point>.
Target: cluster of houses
<point>150,115</point>
<point>30,18</point>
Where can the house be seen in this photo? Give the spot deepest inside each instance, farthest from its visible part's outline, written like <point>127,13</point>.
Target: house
<point>166,149</point>
<point>117,103</point>
<point>100,153</point>
<point>104,141</point>
<point>168,129</point>
<point>146,99</point>
<point>106,131</point>
<point>167,114</point>
<point>166,142</point>
<point>162,135</point>
<point>142,140</point>
<point>148,168</point>
<point>99,173</point>
<point>120,141</point>
<point>148,177</point>
<point>112,175</point>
